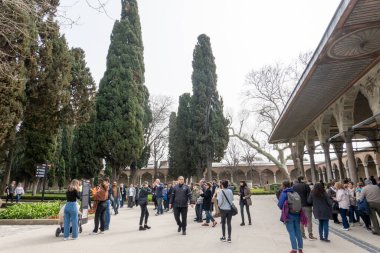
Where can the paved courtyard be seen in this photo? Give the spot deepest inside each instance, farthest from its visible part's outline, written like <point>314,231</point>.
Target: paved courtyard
<point>266,234</point>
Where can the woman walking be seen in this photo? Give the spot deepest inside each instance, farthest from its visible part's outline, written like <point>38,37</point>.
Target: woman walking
<point>245,201</point>
<point>100,197</point>
<point>19,191</point>
<point>343,199</point>
<point>322,210</point>
<point>290,204</point>
<point>71,210</point>
<point>116,197</point>
<point>207,196</point>
<point>143,202</point>
<point>225,199</point>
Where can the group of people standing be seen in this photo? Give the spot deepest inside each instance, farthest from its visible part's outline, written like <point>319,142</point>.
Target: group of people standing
<point>12,191</point>
<point>299,201</point>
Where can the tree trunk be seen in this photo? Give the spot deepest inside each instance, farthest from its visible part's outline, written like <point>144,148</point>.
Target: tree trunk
<point>7,172</point>
<point>155,169</point>
<point>209,170</point>
<point>35,186</point>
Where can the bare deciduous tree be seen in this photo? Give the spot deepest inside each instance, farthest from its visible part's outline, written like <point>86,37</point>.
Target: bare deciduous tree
<point>267,91</point>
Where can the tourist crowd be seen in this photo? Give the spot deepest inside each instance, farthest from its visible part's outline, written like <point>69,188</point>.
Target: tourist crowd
<point>357,205</point>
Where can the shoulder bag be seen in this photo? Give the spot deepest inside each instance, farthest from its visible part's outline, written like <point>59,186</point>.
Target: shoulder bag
<point>234,210</point>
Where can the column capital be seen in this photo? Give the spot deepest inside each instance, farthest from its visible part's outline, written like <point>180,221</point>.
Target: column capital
<point>347,136</point>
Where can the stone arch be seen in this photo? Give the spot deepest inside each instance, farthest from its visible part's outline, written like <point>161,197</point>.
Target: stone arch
<point>254,176</point>
<point>369,86</point>
<point>146,176</point>
<point>239,175</point>
<point>371,165</point>
<point>360,168</point>
<point>267,177</point>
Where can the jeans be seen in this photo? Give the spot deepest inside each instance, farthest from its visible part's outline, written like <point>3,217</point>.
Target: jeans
<point>308,212</point>
<point>181,211</point>
<point>71,215</point>
<point>209,216</point>
<point>343,214</point>
<point>226,215</point>
<point>242,212</point>
<point>294,230</point>
<point>198,211</point>
<point>122,201</point>
<point>159,206</point>
<point>115,205</point>
<point>107,215</point>
<point>18,197</point>
<point>324,229</point>
<point>100,216</point>
<point>352,213</point>
<point>144,214</point>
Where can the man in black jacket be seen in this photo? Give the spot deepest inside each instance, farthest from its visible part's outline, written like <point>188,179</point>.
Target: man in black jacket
<point>303,190</point>
<point>180,201</point>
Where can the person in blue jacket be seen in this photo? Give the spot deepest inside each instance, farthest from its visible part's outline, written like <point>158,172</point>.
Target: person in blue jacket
<point>293,222</point>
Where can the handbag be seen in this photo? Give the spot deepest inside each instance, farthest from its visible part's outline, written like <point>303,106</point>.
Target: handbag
<point>234,210</point>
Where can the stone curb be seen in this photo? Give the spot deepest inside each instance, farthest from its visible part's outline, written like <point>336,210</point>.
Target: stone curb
<point>12,222</point>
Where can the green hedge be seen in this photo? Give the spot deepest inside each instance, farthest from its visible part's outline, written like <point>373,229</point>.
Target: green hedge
<point>31,211</point>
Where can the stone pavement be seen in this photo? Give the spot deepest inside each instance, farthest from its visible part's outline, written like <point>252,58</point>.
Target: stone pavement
<point>266,234</point>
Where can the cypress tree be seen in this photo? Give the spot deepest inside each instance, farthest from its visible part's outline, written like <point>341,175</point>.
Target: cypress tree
<point>66,151</point>
<point>173,167</point>
<point>46,96</point>
<point>121,98</point>
<point>85,161</point>
<point>210,127</point>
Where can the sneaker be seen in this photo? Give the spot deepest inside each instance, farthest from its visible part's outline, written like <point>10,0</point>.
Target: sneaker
<point>205,224</point>
<point>93,233</point>
<point>300,251</point>
<point>250,223</point>
<point>65,239</point>
<point>183,232</point>
<point>242,224</point>
<point>101,232</point>
<point>223,239</point>
<point>141,228</point>
<point>293,251</point>
<point>157,214</point>
<point>214,224</point>
<point>229,240</point>
<point>311,237</point>
<point>304,237</point>
<point>346,229</point>
<point>326,240</point>
<point>179,229</point>
<point>147,227</point>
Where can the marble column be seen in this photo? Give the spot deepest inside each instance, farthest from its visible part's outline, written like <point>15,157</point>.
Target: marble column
<point>310,150</point>
<point>275,177</point>
<point>378,170</point>
<point>326,151</point>
<point>351,157</point>
<point>319,176</point>
<point>324,176</point>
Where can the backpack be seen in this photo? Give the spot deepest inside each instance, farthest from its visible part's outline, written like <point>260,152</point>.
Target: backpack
<point>294,202</point>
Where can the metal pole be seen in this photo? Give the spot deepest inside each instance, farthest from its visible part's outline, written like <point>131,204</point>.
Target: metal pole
<point>44,182</point>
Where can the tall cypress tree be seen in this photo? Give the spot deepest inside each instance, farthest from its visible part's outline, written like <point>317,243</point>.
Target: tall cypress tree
<point>46,96</point>
<point>183,156</point>
<point>173,166</point>
<point>85,161</point>
<point>122,95</point>
<point>210,127</point>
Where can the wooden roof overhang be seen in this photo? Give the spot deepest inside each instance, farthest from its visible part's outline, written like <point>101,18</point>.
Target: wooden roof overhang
<point>349,48</point>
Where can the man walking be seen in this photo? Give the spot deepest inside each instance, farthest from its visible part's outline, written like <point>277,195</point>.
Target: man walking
<point>180,201</point>
<point>159,196</point>
<point>303,190</point>
<point>372,194</point>
<point>131,195</point>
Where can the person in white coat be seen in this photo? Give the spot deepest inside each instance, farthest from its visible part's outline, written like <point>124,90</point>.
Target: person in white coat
<point>343,199</point>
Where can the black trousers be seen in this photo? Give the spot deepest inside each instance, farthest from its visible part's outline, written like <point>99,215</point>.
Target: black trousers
<point>100,215</point>
<point>144,214</point>
<point>9,196</point>
<point>226,215</point>
<point>130,201</point>
<point>181,211</point>
<point>242,205</point>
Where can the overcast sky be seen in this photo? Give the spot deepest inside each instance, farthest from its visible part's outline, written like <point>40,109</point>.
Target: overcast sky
<point>245,34</point>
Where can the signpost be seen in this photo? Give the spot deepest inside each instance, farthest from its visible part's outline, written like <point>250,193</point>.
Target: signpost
<point>85,200</point>
<point>41,172</point>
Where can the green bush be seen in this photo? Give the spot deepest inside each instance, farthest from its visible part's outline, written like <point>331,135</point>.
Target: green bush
<point>31,211</point>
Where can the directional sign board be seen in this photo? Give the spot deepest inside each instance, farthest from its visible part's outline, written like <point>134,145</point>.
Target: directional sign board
<point>41,170</point>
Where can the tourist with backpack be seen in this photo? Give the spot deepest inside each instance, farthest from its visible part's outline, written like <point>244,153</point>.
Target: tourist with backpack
<point>292,215</point>
<point>304,190</point>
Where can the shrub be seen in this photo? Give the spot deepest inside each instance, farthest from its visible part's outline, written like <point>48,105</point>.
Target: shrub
<point>31,211</point>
